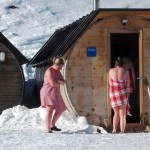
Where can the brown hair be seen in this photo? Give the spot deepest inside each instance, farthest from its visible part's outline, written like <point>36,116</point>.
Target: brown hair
<point>119,62</point>
<point>58,61</point>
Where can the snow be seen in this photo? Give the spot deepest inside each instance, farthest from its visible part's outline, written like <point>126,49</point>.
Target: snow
<point>23,129</point>
<point>28,27</point>
<point>22,118</point>
<point>20,124</point>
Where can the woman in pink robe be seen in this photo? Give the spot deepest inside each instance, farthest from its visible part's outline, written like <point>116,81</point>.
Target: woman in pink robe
<point>50,95</point>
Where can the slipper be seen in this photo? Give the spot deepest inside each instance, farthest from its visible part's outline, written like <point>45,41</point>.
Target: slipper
<point>55,129</point>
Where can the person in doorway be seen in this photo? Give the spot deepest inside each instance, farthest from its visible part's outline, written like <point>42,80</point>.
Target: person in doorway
<point>128,65</point>
<point>133,98</point>
<point>119,86</point>
<point>50,95</point>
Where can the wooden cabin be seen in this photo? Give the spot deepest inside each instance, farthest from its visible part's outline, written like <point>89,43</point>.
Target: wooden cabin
<point>11,74</point>
<point>90,46</point>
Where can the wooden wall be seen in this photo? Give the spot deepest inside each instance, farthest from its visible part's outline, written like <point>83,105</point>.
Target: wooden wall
<point>87,76</point>
<point>11,81</point>
<point>146,71</point>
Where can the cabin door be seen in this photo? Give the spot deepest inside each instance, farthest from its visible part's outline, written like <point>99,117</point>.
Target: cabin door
<point>130,45</point>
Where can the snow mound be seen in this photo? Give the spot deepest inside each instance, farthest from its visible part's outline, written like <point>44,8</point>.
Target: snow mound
<point>22,118</point>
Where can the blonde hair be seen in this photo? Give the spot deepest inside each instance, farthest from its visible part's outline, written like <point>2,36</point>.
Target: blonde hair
<point>58,61</point>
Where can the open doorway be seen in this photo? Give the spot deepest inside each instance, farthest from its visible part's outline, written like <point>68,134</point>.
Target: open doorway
<point>127,45</point>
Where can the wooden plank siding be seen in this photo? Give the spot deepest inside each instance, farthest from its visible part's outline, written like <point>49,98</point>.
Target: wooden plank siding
<point>87,76</point>
<point>11,81</point>
<point>146,68</point>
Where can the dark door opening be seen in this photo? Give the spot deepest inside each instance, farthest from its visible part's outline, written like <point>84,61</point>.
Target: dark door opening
<point>127,45</point>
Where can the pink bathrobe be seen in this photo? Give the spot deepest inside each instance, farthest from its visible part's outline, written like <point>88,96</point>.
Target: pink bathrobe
<point>50,93</point>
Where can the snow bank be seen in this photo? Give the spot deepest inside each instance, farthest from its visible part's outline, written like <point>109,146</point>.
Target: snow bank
<point>22,118</point>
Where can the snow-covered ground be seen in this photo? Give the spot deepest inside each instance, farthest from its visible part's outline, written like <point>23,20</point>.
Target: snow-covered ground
<point>23,129</point>
<point>28,27</point>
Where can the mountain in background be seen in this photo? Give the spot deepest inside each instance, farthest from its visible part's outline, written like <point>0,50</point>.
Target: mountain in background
<point>29,23</point>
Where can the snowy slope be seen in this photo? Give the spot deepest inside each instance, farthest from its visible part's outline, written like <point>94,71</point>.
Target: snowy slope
<point>30,25</point>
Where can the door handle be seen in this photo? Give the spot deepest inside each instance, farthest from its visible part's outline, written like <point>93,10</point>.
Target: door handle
<point>141,78</point>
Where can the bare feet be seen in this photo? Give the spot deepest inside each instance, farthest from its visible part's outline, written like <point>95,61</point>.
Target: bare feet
<point>114,131</point>
<point>121,132</point>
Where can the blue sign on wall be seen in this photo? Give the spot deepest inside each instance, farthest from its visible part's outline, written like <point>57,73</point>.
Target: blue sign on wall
<point>91,51</point>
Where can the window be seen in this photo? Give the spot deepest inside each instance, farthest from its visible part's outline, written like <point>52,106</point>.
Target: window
<point>2,56</point>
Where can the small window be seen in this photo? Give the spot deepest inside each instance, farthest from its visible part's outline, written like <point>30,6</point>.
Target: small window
<point>2,56</point>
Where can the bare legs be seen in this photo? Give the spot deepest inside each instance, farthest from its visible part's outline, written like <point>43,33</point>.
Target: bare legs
<point>48,117</point>
<point>119,114</point>
<point>115,119</point>
<point>49,120</point>
<point>122,112</point>
<point>55,118</point>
